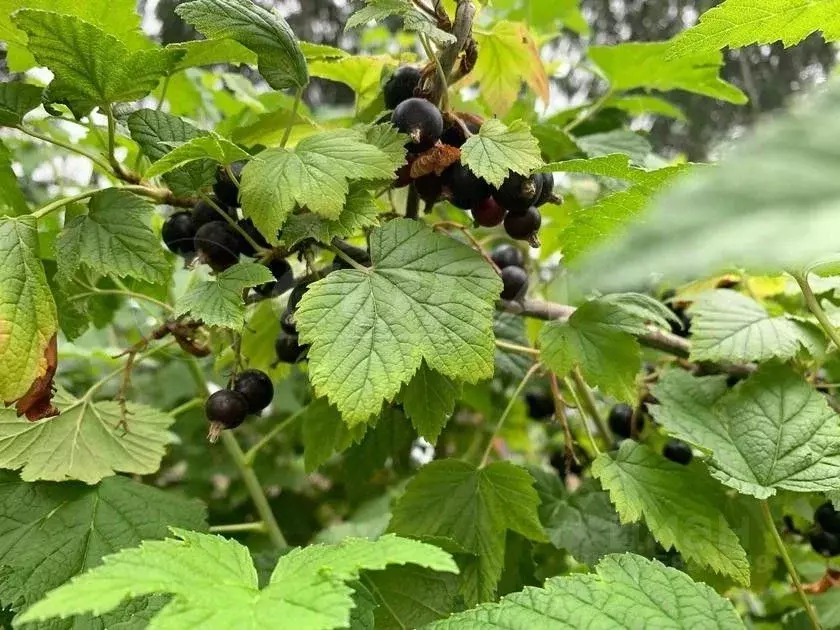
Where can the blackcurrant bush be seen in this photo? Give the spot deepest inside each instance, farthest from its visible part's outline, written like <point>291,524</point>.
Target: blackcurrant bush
<point>515,281</point>
<point>467,188</point>
<point>218,245</point>
<point>825,543</point>
<point>284,279</point>
<point>678,451</point>
<point>257,388</point>
<point>179,234</point>
<point>251,230</point>
<point>287,322</point>
<point>454,134</point>
<point>621,420</point>
<point>288,349</point>
<point>546,189</point>
<point>488,213</point>
<point>540,404</point>
<point>401,86</point>
<point>421,120</point>
<point>224,188</point>
<point>507,256</point>
<point>429,187</point>
<point>518,193</point>
<point>204,213</point>
<point>828,518</point>
<point>227,408</point>
<point>524,227</point>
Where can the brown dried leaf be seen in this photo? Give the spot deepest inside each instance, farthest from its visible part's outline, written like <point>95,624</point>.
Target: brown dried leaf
<point>435,160</point>
<point>36,403</point>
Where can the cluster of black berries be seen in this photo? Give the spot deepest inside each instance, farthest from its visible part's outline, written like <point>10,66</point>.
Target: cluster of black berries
<point>287,345</point>
<point>251,392</point>
<point>511,263</point>
<point>682,327</point>
<point>515,203</point>
<point>825,537</point>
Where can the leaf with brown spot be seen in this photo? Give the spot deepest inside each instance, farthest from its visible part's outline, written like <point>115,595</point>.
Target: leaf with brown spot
<point>36,403</point>
<point>435,160</point>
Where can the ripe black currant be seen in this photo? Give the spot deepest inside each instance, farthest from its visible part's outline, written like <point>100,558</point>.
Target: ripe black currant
<point>564,465</point>
<point>678,451</point>
<point>421,120</point>
<point>288,349</point>
<point>251,230</point>
<point>226,190</point>
<point>454,134</point>
<point>218,245</point>
<point>515,281</point>
<point>179,234</point>
<point>400,87</point>
<point>828,518</point>
<point>467,188</point>
<point>733,379</point>
<point>227,408</point>
<point>488,213</point>
<point>825,543</point>
<point>540,404</point>
<point>429,187</point>
<point>518,193</point>
<point>257,388</point>
<point>507,256</point>
<point>621,420</point>
<point>204,213</point>
<point>287,322</point>
<point>546,189</point>
<point>524,227</point>
<point>284,279</point>
<point>295,296</point>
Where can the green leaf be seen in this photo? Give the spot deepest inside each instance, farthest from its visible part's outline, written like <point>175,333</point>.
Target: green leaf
<point>362,73</point>
<point>280,60</point>
<point>497,150</point>
<point>545,15</point>
<point>16,100</point>
<point>369,330</point>
<point>680,506</point>
<point>12,200</point>
<point>119,18</point>
<point>738,23</point>
<point>360,211</point>
<point>91,67</point>
<point>596,145</point>
<point>474,507</point>
<point>113,239</point>
<point>413,20</point>
<point>626,591</point>
<point>209,52</point>
<point>646,65</point>
<point>597,338</point>
<point>750,206</point>
<point>638,105</point>
<point>219,302</point>
<point>428,400</point>
<point>410,597</point>
<point>51,532</point>
<point>324,433</point>
<point>210,147</point>
<point>728,326</point>
<point>154,131</point>
<point>772,432</point>
<point>316,174</point>
<point>28,319</point>
<point>87,441</point>
<point>615,165</point>
<point>511,328</point>
<point>584,522</point>
<point>213,582</point>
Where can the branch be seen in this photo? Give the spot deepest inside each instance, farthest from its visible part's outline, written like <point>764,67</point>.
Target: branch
<point>462,30</point>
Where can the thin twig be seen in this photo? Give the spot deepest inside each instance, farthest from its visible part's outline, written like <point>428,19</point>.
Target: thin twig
<point>293,117</point>
<point>560,412</point>
<point>816,309</point>
<point>69,147</point>
<point>441,74</point>
<point>579,406</point>
<point>252,452</point>
<point>257,526</point>
<point>591,407</point>
<point>513,347</point>
<point>514,397</point>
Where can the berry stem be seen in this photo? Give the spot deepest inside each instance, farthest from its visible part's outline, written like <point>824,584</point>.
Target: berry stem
<point>238,456</point>
<point>128,294</point>
<point>348,260</point>
<point>136,361</point>
<point>791,569</point>
<point>257,526</point>
<point>252,452</point>
<point>412,204</point>
<point>514,397</point>
<point>579,406</point>
<point>225,216</point>
<point>590,406</point>
<point>441,73</point>
<point>292,118</point>
<point>187,406</point>
<point>560,413</point>
<point>69,147</point>
<point>513,347</point>
<point>589,112</point>
<point>813,305</point>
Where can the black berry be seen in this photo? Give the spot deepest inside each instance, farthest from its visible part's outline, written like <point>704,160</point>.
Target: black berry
<point>683,327</point>
<point>401,86</point>
<point>488,213</point>
<point>179,234</point>
<point>518,193</point>
<point>227,408</point>
<point>546,188</point>
<point>621,420</point>
<point>251,230</point>
<point>564,465</point>
<point>287,322</point>
<point>678,451</point>
<point>507,256</point>
<point>218,245</point>
<point>540,404</point>
<point>287,348</point>
<point>295,296</point>
<point>257,388</point>
<point>225,189</point>
<point>825,543</point>
<point>828,518</point>
<point>421,120</point>
<point>467,188</point>
<point>204,213</point>
<point>524,227</point>
<point>733,379</point>
<point>454,134</point>
<point>284,279</point>
<point>429,187</point>
<point>515,281</point>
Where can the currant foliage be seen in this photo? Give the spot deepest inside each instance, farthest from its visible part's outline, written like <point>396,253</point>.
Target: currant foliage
<point>456,355</point>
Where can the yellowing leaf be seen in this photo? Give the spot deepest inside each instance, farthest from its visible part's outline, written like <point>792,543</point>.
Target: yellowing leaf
<point>361,73</point>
